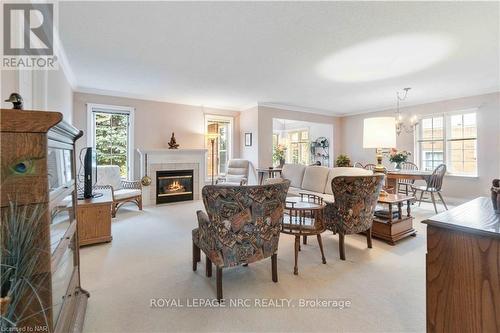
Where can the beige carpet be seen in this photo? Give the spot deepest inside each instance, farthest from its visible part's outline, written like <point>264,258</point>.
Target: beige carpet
<point>150,257</point>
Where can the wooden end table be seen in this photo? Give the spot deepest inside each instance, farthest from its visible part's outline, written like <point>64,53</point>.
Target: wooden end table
<point>94,219</point>
<point>304,217</point>
<point>270,173</point>
<point>394,226</point>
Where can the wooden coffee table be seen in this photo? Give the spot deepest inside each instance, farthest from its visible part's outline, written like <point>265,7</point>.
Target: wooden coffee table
<point>304,217</point>
<point>394,225</point>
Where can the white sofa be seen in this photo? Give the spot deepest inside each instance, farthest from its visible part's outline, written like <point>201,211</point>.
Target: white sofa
<point>316,179</point>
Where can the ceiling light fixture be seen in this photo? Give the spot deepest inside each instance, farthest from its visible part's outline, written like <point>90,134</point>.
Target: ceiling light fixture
<point>400,126</point>
<point>386,57</point>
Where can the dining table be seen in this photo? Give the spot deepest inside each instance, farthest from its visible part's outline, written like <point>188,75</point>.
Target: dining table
<point>394,175</point>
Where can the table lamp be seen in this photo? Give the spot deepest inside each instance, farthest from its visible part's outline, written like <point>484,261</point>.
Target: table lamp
<point>379,133</point>
<point>212,136</point>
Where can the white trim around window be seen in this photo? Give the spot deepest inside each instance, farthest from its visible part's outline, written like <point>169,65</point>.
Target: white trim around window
<point>93,107</point>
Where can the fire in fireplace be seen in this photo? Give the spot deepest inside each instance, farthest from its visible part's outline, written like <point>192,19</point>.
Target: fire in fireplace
<point>174,186</point>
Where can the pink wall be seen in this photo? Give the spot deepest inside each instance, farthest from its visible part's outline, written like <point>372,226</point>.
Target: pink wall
<point>249,123</point>
<point>488,117</point>
<point>155,121</point>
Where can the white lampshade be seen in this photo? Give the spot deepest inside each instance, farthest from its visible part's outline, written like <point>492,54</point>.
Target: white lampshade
<point>379,132</point>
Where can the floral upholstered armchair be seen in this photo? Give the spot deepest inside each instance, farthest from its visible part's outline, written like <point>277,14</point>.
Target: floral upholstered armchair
<point>242,225</point>
<point>354,205</point>
<point>108,177</point>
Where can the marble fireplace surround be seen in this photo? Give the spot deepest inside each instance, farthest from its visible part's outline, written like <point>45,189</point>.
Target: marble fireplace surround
<point>172,159</point>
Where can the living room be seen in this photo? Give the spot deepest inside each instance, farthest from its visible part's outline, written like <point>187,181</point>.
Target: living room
<point>292,166</point>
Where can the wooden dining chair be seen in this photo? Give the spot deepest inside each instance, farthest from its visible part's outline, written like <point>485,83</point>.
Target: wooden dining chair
<point>407,183</point>
<point>434,185</point>
<point>369,166</point>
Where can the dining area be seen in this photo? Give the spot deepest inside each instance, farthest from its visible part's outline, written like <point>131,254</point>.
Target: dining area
<point>403,180</point>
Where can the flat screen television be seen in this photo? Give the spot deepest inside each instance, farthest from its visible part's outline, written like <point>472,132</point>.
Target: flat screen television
<point>90,173</point>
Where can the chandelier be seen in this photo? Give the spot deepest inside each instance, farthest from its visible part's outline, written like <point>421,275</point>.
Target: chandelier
<point>400,125</point>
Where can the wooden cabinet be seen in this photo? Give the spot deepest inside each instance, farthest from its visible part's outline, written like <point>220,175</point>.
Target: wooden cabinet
<point>94,219</point>
<point>38,176</point>
<point>463,269</point>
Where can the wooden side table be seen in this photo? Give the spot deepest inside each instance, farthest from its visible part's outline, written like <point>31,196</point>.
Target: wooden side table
<point>304,217</point>
<point>94,219</point>
<point>394,226</point>
<point>270,173</point>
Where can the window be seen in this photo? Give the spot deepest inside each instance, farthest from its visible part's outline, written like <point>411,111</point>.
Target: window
<point>298,147</point>
<point>431,144</point>
<point>462,144</point>
<point>449,139</point>
<point>222,146</point>
<point>111,136</point>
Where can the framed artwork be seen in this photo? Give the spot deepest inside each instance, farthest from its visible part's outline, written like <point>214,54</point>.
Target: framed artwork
<point>248,139</point>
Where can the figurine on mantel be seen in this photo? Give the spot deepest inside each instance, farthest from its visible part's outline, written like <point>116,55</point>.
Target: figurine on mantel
<point>173,144</point>
<point>495,195</point>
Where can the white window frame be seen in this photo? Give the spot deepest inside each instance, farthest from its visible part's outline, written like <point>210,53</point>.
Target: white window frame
<point>446,122</point>
<point>213,117</point>
<point>289,142</point>
<point>91,107</point>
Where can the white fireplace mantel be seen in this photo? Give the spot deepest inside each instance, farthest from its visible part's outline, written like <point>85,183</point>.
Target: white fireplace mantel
<point>171,159</point>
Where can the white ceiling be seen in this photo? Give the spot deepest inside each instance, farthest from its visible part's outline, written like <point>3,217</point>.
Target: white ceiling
<point>326,57</point>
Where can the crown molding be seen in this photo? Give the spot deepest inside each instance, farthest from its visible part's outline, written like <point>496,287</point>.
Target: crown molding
<point>392,108</point>
<point>296,108</point>
<point>250,106</point>
<point>120,94</point>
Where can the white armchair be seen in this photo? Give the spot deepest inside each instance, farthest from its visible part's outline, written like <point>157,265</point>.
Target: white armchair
<point>108,177</point>
<point>237,173</point>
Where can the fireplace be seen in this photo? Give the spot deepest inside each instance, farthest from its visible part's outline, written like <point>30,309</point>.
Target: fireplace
<point>174,186</point>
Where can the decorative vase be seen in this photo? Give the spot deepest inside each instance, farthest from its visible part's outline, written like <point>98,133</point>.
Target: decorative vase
<point>282,162</point>
<point>398,166</point>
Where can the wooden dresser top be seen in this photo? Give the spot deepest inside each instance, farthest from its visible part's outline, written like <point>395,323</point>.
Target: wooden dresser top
<point>476,217</point>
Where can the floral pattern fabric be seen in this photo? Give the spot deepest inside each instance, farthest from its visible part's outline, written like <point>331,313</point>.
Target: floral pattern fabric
<point>355,201</point>
<point>242,223</point>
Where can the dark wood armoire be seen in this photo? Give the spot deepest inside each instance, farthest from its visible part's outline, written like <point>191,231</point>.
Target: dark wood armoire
<point>38,174</point>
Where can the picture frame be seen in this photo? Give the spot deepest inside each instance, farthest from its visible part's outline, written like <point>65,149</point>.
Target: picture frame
<point>248,139</point>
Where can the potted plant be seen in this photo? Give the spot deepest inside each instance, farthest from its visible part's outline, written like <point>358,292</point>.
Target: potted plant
<point>279,154</point>
<point>21,283</point>
<point>398,157</point>
<point>343,161</point>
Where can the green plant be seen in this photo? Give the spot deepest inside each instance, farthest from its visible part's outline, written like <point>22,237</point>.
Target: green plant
<point>111,140</point>
<point>343,161</point>
<point>279,153</point>
<point>21,277</point>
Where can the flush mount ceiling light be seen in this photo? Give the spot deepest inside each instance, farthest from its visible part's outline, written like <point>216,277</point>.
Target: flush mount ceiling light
<point>385,58</point>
